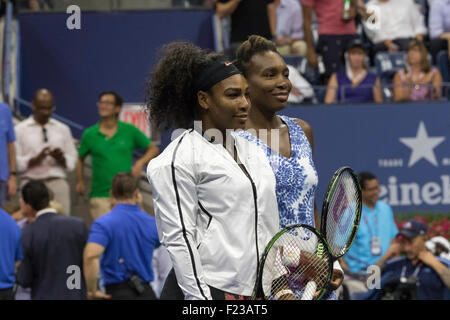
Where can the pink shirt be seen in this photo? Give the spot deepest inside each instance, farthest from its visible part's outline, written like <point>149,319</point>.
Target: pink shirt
<point>329,16</point>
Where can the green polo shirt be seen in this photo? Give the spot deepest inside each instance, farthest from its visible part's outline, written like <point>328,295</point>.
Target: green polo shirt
<point>110,155</point>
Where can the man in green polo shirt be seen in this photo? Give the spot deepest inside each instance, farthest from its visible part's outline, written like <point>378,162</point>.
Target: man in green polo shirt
<point>110,143</point>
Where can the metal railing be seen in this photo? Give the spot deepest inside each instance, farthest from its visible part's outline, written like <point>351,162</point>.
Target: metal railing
<point>346,94</point>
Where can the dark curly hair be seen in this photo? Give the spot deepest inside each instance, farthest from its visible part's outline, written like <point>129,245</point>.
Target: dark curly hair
<point>252,46</point>
<point>171,98</point>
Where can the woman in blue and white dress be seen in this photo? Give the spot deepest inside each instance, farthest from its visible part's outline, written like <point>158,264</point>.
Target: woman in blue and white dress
<point>287,142</point>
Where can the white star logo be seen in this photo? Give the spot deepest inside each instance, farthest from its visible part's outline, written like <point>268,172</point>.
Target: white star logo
<point>422,146</point>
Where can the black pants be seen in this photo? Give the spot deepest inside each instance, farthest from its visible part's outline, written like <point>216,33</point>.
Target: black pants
<point>7,294</point>
<point>437,45</point>
<point>332,48</point>
<point>171,290</point>
<point>123,291</point>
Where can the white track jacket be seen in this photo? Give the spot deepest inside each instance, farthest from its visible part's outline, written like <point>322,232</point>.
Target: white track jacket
<point>214,219</point>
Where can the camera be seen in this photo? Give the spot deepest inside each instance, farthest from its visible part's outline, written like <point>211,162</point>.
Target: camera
<point>398,290</point>
<point>135,282</point>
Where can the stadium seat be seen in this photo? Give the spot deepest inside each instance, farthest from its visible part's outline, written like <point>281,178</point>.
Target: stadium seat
<point>293,60</point>
<point>301,64</point>
<point>387,64</point>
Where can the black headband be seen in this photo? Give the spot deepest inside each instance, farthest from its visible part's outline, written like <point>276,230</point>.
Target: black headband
<point>216,72</point>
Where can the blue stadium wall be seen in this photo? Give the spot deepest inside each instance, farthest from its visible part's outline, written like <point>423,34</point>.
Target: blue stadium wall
<point>406,145</point>
<point>112,51</point>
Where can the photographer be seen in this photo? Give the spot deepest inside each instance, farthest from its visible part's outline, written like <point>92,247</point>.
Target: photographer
<point>417,275</point>
<point>124,239</point>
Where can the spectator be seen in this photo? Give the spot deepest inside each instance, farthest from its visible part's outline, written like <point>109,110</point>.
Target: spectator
<point>354,83</point>
<point>417,275</point>
<point>419,81</point>
<point>399,21</point>
<point>125,239</point>
<point>439,26</point>
<point>15,210</point>
<point>10,254</point>
<point>52,247</point>
<point>8,183</point>
<point>45,149</point>
<point>110,143</point>
<point>289,32</point>
<point>301,89</point>
<point>247,17</point>
<point>373,239</point>
<point>38,5</point>
<point>334,33</point>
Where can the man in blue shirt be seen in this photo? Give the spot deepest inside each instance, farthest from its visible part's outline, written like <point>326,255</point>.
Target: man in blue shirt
<point>10,253</point>
<point>376,231</point>
<point>417,275</point>
<point>8,183</point>
<point>124,239</point>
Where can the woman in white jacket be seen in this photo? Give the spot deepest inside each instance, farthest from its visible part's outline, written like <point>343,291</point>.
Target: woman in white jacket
<point>214,192</point>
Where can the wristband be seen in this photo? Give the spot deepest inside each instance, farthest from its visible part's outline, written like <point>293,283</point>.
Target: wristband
<point>14,173</point>
<point>282,293</point>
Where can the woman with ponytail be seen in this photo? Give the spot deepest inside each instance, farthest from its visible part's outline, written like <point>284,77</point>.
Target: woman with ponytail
<point>287,142</point>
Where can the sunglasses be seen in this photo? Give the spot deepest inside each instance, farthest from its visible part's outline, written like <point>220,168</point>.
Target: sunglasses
<point>44,132</point>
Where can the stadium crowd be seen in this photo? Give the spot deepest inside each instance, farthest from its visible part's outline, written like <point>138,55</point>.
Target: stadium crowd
<point>372,51</point>
<point>347,46</point>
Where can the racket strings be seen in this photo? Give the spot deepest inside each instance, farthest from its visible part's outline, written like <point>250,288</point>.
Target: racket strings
<point>294,264</point>
<point>342,211</point>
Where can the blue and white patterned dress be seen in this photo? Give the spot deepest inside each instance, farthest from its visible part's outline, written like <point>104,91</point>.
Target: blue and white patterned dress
<point>296,178</point>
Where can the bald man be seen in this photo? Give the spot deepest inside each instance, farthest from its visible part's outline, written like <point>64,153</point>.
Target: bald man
<point>45,149</point>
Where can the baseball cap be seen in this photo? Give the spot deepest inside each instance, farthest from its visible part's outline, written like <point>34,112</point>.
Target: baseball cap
<point>412,229</point>
<point>356,43</point>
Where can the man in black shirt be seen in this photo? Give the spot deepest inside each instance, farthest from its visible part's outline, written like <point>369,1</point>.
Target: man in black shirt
<point>247,17</point>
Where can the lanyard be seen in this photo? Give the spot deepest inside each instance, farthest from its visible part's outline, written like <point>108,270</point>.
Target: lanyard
<point>368,226</point>
<point>403,278</point>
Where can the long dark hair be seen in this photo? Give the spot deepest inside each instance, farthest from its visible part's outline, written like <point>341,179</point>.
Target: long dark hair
<point>171,98</point>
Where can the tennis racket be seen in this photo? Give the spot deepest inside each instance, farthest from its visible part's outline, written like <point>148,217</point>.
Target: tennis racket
<point>296,265</point>
<point>341,211</point>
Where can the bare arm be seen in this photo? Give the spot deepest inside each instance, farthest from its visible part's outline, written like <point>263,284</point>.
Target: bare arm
<point>224,10</point>
<point>338,275</point>
<point>309,135</point>
<point>12,181</point>
<point>272,15</point>
<point>151,152</point>
<point>377,93</point>
<point>393,251</point>
<point>80,176</point>
<point>91,269</point>
<point>307,20</point>
<point>437,81</point>
<point>330,96</point>
<point>401,92</point>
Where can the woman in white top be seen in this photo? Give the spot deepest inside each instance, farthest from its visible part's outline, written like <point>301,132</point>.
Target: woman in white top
<point>214,192</point>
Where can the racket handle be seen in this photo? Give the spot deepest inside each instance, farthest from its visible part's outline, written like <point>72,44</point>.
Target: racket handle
<point>310,289</point>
